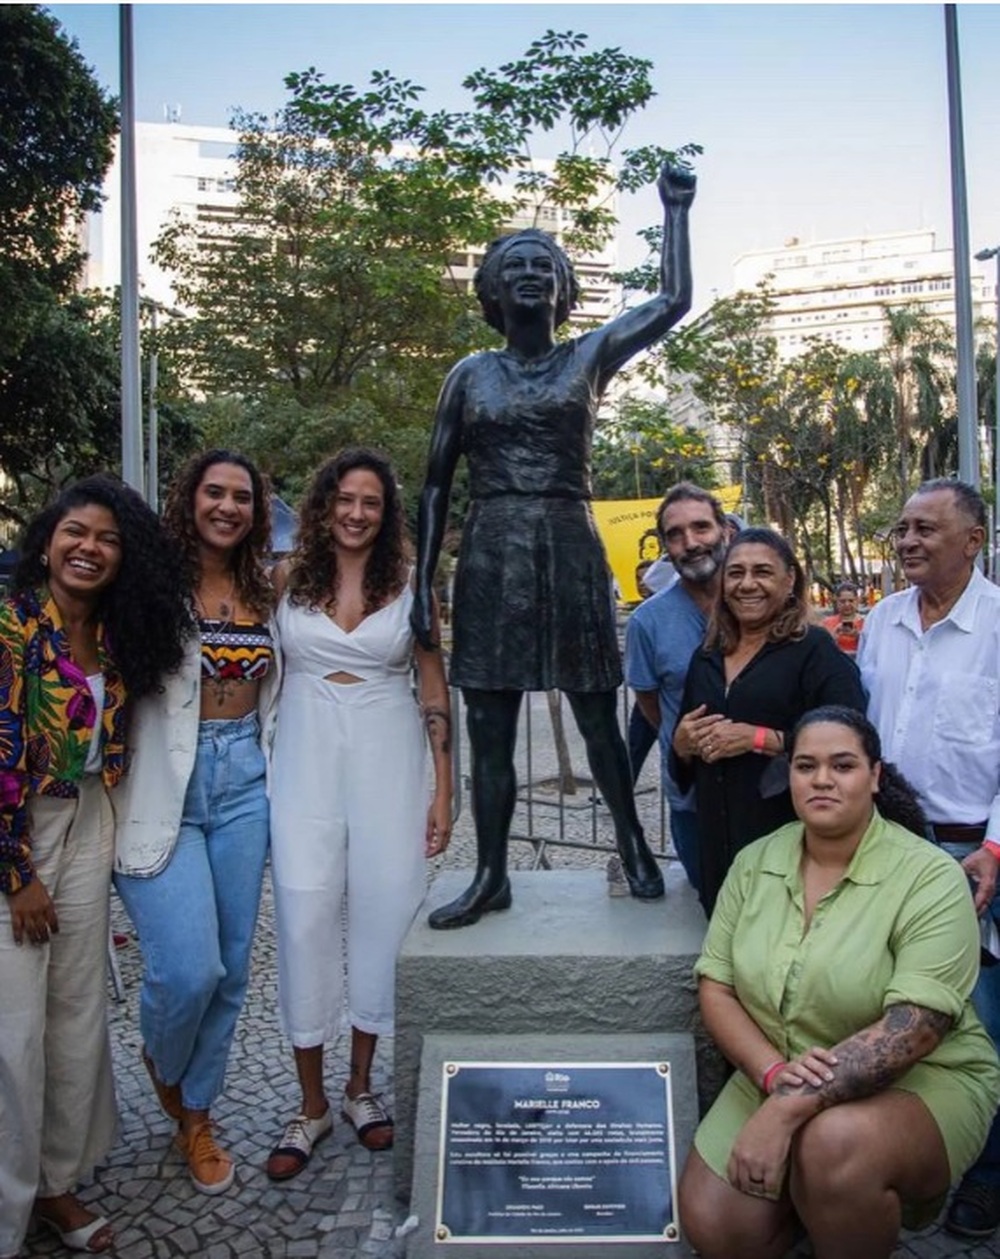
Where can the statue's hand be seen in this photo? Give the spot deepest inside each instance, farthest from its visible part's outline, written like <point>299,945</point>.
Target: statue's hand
<point>422,620</point>
<point>676,184</point>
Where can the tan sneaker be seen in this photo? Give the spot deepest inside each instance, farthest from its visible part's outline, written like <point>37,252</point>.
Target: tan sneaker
<point>212,1170</point>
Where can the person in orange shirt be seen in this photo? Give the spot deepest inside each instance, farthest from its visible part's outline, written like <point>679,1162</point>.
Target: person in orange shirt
<point>845,623</point>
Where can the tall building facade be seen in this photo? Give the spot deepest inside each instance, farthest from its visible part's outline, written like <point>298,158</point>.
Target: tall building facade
<point>836,289</point>
<point>191,172</point>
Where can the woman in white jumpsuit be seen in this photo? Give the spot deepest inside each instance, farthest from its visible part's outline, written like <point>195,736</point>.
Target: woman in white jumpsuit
<point>349,800</point>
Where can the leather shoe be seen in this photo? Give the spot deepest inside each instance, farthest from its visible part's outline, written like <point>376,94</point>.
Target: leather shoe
<point>974,1210</point>
<point>295,1148</point>
<point>470,907</point>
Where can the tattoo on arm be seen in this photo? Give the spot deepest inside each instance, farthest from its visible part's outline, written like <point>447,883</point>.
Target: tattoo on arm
<point>438,723</point>
<point>871,1059</point>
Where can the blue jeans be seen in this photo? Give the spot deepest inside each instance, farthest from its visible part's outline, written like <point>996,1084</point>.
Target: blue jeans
<point>986,1001</point>
<point>196,918</point>
<point>684,833</point>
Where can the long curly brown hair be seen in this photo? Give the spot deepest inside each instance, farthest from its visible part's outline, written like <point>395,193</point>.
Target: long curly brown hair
<point>248,563</point>
<point>790,623</point>
<point>312,566</point>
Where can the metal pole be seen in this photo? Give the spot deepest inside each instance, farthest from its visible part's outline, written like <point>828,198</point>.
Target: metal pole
<point>996,428</point>
<point>153,435</point>
<point>131,391</point>
<point>985,255</point>
<point>968,450</point>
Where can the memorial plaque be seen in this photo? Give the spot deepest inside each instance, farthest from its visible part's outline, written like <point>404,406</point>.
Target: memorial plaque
<point>556,1152</point>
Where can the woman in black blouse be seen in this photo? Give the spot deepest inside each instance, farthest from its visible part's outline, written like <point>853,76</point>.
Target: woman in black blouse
<point>761,667</point>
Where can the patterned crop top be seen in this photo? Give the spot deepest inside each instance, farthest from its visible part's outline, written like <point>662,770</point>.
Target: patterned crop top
<point>234,651</point>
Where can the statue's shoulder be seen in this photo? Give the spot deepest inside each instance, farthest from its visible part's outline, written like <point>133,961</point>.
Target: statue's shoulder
<point>471,366</point>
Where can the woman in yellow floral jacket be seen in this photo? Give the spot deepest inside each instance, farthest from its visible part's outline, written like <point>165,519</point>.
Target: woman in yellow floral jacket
<point>96,616</point>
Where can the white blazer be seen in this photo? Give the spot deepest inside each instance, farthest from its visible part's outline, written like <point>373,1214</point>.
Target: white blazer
<point>162,741</point>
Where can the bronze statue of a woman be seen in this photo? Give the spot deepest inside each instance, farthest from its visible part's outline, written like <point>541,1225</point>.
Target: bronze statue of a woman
<point>533,607</point>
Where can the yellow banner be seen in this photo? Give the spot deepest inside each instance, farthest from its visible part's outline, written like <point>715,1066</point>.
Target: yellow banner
<point>628,531</point>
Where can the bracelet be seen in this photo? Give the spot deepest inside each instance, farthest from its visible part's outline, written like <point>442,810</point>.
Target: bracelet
<point>759,738</point>
<point>774,1069</point>
<point>992,846</point>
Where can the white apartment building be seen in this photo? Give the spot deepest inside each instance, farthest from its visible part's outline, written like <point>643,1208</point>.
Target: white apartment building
<point>191,171</point>
<point>836,289</point>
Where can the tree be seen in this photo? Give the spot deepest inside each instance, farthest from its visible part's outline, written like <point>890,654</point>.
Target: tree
<point>919,351</point>
<point>57,390</point>
<point>332,307</point>
<point>641,452</point>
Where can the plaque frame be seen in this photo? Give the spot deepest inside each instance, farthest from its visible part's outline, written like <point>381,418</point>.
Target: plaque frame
<point>553,1079</point>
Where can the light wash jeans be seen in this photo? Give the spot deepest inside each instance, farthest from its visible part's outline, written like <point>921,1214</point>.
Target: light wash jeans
<point>986,1001</point>
<point>196,918</point>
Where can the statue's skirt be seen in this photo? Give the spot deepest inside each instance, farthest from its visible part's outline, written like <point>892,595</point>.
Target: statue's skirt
<point>533,603</point>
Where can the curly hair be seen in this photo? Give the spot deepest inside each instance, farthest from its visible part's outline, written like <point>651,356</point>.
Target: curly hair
<point>312,567</point>
<point>486,281</point>
<point>248,560</point>
<point>723,628</point>
<point>145,609</point>
<point>896,799</point>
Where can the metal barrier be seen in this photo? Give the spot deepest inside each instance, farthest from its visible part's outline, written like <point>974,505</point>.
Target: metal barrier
<point>547,814</point>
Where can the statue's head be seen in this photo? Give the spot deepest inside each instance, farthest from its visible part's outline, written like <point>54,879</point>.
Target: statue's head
<point>487,277</point>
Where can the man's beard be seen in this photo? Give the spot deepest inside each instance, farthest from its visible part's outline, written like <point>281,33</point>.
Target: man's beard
<point>702,568</point>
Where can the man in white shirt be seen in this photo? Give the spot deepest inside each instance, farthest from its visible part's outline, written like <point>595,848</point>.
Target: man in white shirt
<point>930,661</point>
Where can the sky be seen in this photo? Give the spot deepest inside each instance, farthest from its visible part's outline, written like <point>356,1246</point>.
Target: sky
<point>818,121</point>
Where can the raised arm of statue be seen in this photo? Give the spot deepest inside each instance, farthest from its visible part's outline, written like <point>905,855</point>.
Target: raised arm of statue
<point>643,325</point>
<point>432,511</point>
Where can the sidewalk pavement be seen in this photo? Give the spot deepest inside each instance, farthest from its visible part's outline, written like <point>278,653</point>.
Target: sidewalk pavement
<point>343,1204</point>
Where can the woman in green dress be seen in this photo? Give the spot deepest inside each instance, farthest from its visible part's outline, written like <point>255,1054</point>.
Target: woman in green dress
<point>836,976</point>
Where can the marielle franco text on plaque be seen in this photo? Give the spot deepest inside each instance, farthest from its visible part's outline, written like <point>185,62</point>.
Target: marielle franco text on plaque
<point>556,1152</point>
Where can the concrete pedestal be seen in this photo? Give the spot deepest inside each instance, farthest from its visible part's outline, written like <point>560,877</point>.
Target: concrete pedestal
<point>565,959</point>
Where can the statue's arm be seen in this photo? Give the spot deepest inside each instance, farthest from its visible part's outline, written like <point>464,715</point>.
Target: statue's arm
<point>432,510</point>
<point>641,326</point>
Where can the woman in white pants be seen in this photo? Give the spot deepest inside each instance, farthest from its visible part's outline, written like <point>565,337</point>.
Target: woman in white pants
<point>349,801</point>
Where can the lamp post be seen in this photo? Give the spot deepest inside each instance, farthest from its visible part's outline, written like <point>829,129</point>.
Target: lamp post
<point>985,255</point>
<point>968,452</point>
<point>153,433</point>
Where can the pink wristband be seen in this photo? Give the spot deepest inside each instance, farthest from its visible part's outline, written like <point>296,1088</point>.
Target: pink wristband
<point>774,1069</point>
<point>759,738</point>
<point>992,846</point>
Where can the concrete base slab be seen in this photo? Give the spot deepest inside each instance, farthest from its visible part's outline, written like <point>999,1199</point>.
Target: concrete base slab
<point>677,1049</point>
<point>565,959</point>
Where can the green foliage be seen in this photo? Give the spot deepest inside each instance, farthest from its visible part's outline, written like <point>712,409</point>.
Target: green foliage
<point>332,306</point>
<point>920,353</point>
<point>58,376</point>
<point>826,440</point>
<point>641,453</point>
<point>56,129</point>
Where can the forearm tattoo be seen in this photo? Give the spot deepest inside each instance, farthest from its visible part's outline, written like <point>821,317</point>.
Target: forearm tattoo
<point>870,1060</point>
<point>438,723</point>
